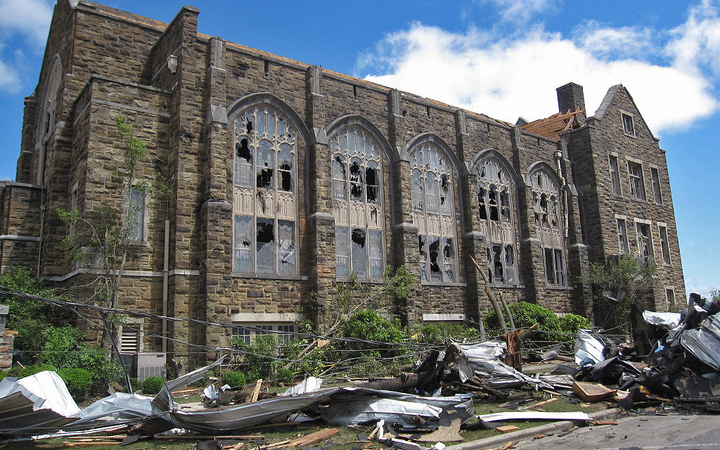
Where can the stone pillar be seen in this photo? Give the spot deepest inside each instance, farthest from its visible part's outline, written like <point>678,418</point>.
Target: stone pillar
<point>7,345</point>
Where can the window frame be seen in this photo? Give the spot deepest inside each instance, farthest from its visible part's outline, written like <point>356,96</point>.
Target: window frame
<point>432,191</point>
<point>641,237</point>
<point>554,267</point>
<point>657,190</point>
<point>628,123</point>
<point>637,180</point>
<point>137,225</point>
<point>615,184</point>
<point>622,233</point>
<point>362,201</point>
<point>265,196</point>
<point>664,244</point>
<point>285,332</point>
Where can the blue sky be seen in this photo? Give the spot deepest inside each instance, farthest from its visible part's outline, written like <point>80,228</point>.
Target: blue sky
<point>503,58</point>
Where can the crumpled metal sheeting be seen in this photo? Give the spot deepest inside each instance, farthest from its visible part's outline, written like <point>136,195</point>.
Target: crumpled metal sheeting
<point>485,358</point>
<point>117,409</point>
<point>361,410</point>
<point>588,346</point>
<point>667,320</point>
<point>164,401</point>
<point>704,342</point>
<point>34,405</point>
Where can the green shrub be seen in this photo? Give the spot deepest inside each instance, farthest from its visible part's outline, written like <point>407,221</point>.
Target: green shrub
<point>77,380</point>
<point>437,333</point>
<point>64,349</point>
<point>152,385</point>
<point>233,379</point>
<point>571,323</point>
<point>22,372</point>
<point>368,325</point>
<point>526,315</point>
<point>283,375</point>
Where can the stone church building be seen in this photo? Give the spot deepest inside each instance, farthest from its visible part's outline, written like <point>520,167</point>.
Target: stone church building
<point>287,179</point>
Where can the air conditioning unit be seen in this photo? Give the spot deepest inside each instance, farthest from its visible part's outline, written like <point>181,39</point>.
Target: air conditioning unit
<point>150,365</point>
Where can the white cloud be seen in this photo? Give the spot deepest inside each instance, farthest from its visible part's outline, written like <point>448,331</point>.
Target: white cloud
<point>26,22</point>
<point>696,43</point>
<point>607,42</point>
<point>29,18</point>
<point>520,11</point>
<point>517,76</point>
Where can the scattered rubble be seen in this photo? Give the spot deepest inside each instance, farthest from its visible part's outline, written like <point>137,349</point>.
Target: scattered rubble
<point>674,357</point>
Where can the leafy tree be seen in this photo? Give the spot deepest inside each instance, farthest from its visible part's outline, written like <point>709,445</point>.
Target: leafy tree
<point>619,284</point>
<point>29,317</point>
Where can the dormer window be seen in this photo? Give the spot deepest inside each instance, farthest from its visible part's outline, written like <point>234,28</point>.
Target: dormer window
<point>628,124</point>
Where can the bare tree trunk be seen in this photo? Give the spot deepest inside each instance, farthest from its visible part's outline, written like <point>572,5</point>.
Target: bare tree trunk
<point>491,296</point>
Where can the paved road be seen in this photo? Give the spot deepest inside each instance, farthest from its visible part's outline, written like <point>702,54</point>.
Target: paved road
<point>701,432</point>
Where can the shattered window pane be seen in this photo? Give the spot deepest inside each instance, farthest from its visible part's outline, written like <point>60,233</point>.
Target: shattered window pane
<point>285,168</point>
<point>637,184</point>
<point>504,205</point>
<point>655,175</point>
<point>559,274</point>
<point>622,236</point>
<point>266,164</point>
<point>243,164</point>
<point>265,246</point>
<point>614,175</point>
<point>342,251</point>
<point>497,260</point>
<point>357,177</point>
<point>359,252</point>
<point>434,250</point>
<point>549,266</point>
<point>372,182</point>
<point>664,245</point>
<point>510,265</point>
<point>242,254</point>
<point>339,178</point>
<point>445,195</point>
<point>482,199</point>
<point>286,247</point>
<point>644,242</point>
<point>492,201</point>
<point>422,245</point>
<point>449,259</point>
<point>356,181</point>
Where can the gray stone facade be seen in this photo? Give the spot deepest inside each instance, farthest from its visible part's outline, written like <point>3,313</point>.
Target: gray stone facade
<point>286,177</point>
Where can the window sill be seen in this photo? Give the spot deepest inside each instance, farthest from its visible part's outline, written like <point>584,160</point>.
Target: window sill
<point>269,276</point>
<point>507,286</point>
<point>443,284</point>
<point>359,280</point>
<point>557,288</point>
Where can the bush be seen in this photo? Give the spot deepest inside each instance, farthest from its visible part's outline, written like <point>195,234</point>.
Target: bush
<point>78,381</point>
<point>22,372</point>
<point>152,385</point>
<point>368,325</point>
<point>233,379</point>
<point>438,333</point>
<point>63,349</point>
<point>283,375</point>
<point>526,315</point>
<point>571,323</point>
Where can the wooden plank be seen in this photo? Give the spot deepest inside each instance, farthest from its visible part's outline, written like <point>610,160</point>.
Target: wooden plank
<point>507,428</point>
<point>311,438</point>
<point>541,403</point>
<point>591,392</point>
<point>253,398</point>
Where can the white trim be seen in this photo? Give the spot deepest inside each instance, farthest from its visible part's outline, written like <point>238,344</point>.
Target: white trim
<point>443,317</point>
<point>127,273</point>
<point>645,221</point>
<point>250,318</point>
<point>18,237</point>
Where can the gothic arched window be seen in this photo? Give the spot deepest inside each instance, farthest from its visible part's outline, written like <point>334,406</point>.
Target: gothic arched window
<point>496,211</point>
<point>265,215</point>
<point>431,184</point>
<point>357,203</point>
<point>549,220</point>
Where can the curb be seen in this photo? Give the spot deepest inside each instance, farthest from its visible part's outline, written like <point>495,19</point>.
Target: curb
<point>563,425</point>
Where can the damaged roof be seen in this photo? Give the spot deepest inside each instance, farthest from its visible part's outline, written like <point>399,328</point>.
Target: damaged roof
<point>552,126</point>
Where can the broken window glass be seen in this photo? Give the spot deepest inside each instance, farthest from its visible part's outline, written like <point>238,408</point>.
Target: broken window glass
<point>434,253</point>
<point>265,246</point>
<point>342,252</point>
<point>655,175</point>
<point>664,245</point>
<point>510,265</point>
<point>622,236</point>
<point>559,274</point>
<point>499,274</point>
<point>285,168</point>
<point>492,201</point>
<point>644,242</point>
<point>614,175</point>
<point>286,247</point>
<point>549,266</point>
<point>422,244</point>
<point>243,243</point>
<point>243,164</point>
<point>265,165</point>
<point>504,205</point>
<point>359,252</point>
<point>449,259</point>
<point>339,176</point>
<point>637,183</point>
<point>356,181</point>
<point>372,182</point>
<point>482,209</point>
<point>445,195</point>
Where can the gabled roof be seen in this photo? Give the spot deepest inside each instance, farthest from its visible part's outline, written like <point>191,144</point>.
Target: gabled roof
<point>552,126</point>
